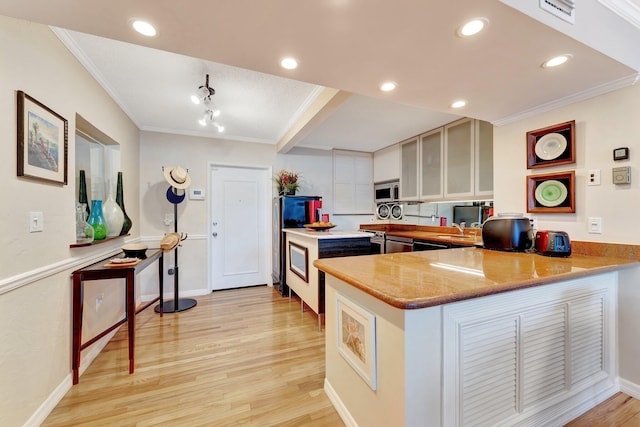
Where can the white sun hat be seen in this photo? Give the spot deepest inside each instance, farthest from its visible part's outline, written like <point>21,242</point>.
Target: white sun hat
<point>177,177</point>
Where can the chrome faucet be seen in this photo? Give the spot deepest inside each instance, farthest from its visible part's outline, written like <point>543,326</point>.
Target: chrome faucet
<point>460,227</point>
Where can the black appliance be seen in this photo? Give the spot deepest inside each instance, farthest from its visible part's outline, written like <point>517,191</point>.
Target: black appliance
<point>508,233</point>
<point>289,212</point>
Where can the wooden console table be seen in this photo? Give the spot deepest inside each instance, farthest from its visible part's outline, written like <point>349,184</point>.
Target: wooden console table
<point>98,271</point>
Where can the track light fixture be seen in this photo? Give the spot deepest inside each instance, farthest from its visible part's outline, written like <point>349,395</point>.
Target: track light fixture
<point>203,95</point>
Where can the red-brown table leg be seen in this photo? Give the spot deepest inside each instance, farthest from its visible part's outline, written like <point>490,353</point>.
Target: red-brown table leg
<point>78,291</point>
<point>131,316</point>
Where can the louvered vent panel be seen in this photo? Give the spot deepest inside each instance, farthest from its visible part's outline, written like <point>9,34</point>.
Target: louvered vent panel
<point>587,341</point>
<point>543,353</point>
<point>488,372</point>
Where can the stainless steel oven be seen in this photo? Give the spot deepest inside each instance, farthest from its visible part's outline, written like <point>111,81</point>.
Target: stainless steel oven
<point>377,242</point>
<point>396,244</point>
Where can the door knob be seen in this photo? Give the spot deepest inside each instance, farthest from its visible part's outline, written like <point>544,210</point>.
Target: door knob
<point>214,234</point>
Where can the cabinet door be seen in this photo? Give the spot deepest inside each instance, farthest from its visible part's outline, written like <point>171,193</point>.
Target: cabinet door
<point>409,170</point>
<point>484,159</point>
<point>352,183</point>
<point>459,159</point>
<point>431,154</point>
<point>386,164</point>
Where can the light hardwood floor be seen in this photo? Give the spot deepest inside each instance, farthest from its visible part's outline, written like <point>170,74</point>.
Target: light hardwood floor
<point>240,357</point>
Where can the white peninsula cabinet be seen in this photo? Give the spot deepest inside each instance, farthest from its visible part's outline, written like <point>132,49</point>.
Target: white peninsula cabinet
<point>454,162</point>
<point>533,357</point>
<point>352,182</point>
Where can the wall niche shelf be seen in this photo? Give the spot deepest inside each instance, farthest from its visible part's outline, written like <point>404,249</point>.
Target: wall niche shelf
<point>96,242</point>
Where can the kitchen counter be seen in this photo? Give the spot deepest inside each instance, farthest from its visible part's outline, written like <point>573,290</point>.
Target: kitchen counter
<point>418,338</point>
<point>414,280</point>
<point>470,237</point>
<point>328,234</point>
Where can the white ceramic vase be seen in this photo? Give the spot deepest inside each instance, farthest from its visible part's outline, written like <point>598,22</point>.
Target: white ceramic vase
<point>113,215</point>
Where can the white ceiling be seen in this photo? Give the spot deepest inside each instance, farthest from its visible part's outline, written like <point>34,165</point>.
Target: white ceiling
<point>350,45</point>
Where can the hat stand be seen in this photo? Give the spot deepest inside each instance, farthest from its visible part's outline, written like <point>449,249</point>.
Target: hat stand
<point>177,304</point>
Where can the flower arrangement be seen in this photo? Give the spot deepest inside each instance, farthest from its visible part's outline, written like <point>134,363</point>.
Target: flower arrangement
<point>287,181</point>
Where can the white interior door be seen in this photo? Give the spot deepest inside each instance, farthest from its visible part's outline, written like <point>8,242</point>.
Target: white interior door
<point>239,226</point>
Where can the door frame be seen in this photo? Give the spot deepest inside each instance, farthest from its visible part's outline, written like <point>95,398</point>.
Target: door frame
<point>266,200</point>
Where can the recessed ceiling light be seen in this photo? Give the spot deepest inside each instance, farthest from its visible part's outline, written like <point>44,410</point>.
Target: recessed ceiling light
<point>388,86</point>
<point>289,63</point>
<point>473,27</point>
<point>556,60</point>
<point>459,103</point>
<point>143,27</point>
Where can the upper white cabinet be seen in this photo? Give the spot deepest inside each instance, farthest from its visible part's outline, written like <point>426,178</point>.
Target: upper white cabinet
<point>484,159</point>
<point>459,159</point>
<point>454,162</point>
<point>409,169</point>
<point>431,161</point>
<point>352,182</point>
<point>386,164</point>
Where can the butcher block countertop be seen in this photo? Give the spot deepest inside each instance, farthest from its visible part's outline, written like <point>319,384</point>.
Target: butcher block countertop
<point>413,280</point>
<point>328,234</point>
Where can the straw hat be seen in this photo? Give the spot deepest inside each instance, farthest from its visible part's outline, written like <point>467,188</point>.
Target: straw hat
<point>170,241</point>
<point>177,177</point>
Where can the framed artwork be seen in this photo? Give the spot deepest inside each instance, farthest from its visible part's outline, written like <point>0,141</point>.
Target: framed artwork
<point>357,339</point>
<point>553,145</point>
<point>551,193</point>
<point>299,261</point>
<point>42,141</point>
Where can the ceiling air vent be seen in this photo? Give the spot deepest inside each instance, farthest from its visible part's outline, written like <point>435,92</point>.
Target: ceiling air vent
<point>563,9</point>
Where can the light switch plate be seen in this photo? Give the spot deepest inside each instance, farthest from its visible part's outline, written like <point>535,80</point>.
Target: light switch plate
<point>36,222</point>
<point>595,225</point>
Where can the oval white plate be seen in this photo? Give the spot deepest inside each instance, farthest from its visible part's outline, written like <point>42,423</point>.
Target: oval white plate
<point>550,146</point>
<point>551,193</point>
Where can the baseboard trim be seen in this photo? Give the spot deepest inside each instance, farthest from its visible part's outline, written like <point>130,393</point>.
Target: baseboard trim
<point>629,388</point>
<point>49,404</point>
<point>342,410</point>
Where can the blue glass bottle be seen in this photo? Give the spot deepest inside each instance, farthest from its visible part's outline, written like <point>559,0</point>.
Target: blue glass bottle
<point>97,221</point>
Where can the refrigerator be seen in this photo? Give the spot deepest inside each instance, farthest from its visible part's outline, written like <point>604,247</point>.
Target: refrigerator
<point>289,212</point>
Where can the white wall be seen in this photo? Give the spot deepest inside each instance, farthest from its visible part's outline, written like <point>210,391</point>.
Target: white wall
<point>195,154</point>
<point>602,124</point>
<point>35,285</point>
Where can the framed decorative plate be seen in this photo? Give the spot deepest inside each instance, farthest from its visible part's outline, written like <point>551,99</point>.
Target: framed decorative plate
<point>553,145</point>
<point>552,193</point>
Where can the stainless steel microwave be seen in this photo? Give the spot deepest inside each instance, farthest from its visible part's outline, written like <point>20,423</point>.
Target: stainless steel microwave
<point>387,191</point>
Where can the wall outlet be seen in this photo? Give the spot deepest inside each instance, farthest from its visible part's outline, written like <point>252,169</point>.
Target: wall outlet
<point>534,222</point>
<point>595,225</point>
<point>593,177</point>
<point>168,219</point>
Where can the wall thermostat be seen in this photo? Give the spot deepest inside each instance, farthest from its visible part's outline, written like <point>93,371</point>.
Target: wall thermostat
<point>622,175</point>
<point>621,153</point>
<point>196,194</point>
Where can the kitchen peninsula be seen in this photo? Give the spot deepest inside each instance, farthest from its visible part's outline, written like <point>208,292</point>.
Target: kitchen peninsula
<point>469,336</point>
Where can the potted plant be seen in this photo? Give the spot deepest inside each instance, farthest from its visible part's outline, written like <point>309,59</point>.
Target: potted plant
<point>287,182</point>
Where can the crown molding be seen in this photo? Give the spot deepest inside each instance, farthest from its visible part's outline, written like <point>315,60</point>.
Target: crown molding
<point>75,50</point>
<point>571,99</point>
<point>626,9</point>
